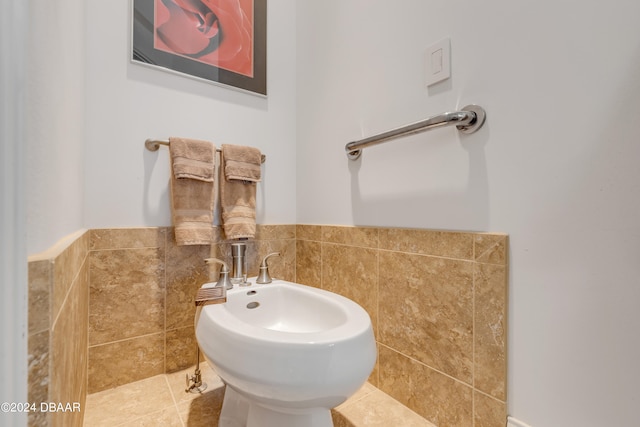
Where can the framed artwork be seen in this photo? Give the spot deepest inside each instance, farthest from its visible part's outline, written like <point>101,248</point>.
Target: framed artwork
<point>220,41</point>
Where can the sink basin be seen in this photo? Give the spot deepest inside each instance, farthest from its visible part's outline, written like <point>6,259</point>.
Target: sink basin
<point>284,308</point>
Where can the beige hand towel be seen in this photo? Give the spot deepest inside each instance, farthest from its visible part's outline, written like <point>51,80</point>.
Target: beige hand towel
<point>242,163</point>
<point>192,190</point>
<point>241,166</point>
<point>192,158</point>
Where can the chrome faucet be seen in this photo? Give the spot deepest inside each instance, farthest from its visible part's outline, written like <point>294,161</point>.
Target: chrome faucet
<point>223,281</point>
<point>263,276</point>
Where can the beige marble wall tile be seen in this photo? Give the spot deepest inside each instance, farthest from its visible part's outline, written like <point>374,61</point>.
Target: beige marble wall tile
<point>490,248</point>
<point>488,412</point>
<point>58,286</point>
<point>426,310</point>
<point>309,263</point>
<point>281,267</point>
<point>275,232</point>
<point>436,397</point>
<point>309,232</point>
<point>65,268</point>
<point>39,379</point>
<point>352,272</point>
<point>128,238</point>
<point>452,305</point>
<point>40,284</point>
<point>353,236</point>
<point>127,288</point>
<point>490,329</point>
<point>374,377</point>
<point>69,351</point>
<point>349,263</point>
<point>122,362</point>
<point>186,272</point>
<point>448,244</point>
<point>180,350</point>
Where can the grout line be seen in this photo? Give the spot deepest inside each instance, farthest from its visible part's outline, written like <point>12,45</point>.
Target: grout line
<point>397,402</point>
<point>406,252</point>
<point>473,343</point>
<point>134,248</point>
<point>173,397</point>
<point>141,417</point>
<point>428,366</point>
<point>295,257</point>
<point>429,255</point>
<point>74,284</point>
<point>378,317</point>
<point>149,396</point>
<point>126,339</point>
<point>321,264</point>
<point>165,286</point>
<point>349,402</point>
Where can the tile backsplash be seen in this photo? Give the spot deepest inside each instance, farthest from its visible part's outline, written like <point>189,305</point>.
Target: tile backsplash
<point>141,298</point>
<point>57,340</point>
<point>113,306</point>
<point>437,300</point>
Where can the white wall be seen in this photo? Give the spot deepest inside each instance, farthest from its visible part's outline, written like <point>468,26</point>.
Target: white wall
<point>127,185</point>
<point>14,25</point>
<point>555,167</point>
<point>55,121</point>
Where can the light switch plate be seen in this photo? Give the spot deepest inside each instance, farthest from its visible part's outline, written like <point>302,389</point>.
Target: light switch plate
<point>437,62</point>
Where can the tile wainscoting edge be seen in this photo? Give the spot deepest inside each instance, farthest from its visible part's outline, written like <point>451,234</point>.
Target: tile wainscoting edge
<point>512,422</point>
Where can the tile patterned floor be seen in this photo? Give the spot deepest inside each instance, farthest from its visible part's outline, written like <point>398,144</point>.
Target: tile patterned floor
<point>162,401</point>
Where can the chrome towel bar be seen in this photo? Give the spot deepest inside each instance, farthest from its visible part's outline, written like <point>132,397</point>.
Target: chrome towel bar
<point>469,120</point>
<point>154,145</point>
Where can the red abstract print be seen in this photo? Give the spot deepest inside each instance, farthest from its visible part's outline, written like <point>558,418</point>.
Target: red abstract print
<point>215,32</point>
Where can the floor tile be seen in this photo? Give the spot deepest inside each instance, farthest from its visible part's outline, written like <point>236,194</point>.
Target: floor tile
<point>167,417</point>
<point>128,402</point>
<point>204,410</point>
<point>162,401</point>
<point>377,409</point>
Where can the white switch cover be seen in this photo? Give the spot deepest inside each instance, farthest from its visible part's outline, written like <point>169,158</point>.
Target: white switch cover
<point>437,62</point>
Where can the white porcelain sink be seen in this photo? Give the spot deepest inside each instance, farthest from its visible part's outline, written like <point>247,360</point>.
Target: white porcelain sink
<point>286,350</point>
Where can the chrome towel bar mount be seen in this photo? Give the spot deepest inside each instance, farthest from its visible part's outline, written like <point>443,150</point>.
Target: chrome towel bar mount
<point>154,144</point>
<point>468,120</point>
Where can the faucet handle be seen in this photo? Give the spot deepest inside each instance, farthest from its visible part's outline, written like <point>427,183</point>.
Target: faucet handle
<point>263,276</point>
<point>223,281</point>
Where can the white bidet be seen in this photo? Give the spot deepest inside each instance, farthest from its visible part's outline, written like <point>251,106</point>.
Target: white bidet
<point>288,353</point>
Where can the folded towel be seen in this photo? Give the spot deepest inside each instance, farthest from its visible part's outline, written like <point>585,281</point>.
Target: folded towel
<point>241,163</point>
<point>238,190</point>
<point>192,198</point>
<point>192,159</point>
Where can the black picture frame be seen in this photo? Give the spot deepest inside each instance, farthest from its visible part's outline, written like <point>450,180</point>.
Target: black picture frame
<point>149,49</point>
